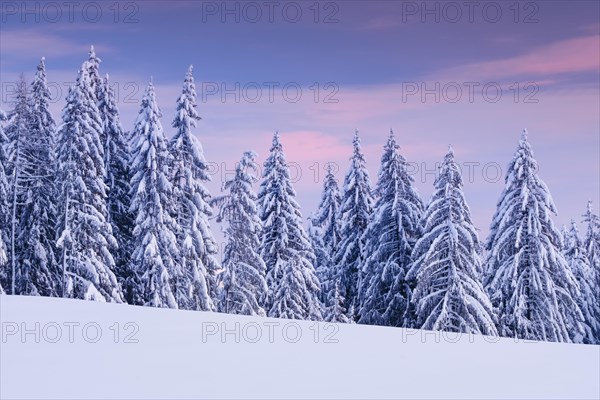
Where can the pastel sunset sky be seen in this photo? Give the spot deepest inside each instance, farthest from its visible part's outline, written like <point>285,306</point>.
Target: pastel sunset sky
<point>371,62</point>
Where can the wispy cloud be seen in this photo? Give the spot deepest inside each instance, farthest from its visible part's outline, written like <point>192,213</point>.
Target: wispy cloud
<point>24,42</point>
<point>581,54</point>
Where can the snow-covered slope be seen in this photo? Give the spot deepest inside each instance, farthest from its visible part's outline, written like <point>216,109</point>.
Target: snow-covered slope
<point>55,348</point>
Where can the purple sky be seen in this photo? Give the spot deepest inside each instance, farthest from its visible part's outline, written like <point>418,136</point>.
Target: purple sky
<point>380,61</point>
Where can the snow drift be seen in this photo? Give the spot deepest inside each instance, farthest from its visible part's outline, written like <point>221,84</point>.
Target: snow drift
<point>57,348</point>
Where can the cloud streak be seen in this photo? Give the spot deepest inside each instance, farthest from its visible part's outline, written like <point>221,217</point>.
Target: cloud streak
<point>581,54</point>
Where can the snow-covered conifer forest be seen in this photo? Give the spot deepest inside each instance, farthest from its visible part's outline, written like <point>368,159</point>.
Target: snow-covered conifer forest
<point>93,210</point>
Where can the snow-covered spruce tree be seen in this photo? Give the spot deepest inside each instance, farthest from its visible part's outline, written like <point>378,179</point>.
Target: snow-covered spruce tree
<point>589,299</point>
<point>293,285</point>
<point>4,215</point>
<point>155,256</point>
<point>196,287</point>
<point>31,211</point>
<point>527,277</point>
<point>384,295</point>
<point>37,272</point>
<point>19,169</point>
<point>243,283</point>
<point>324,233</point>
<point>355,212</point>
<point>591,241</point>
<point>117,180</point>
<point>448,295</point>
<point>85,239</point>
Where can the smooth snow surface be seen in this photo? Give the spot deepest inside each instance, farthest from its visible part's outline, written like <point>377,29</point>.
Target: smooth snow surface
<point>182,354</point>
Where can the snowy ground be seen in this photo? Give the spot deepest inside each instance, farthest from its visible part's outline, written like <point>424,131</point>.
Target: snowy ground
<point>55,348</point>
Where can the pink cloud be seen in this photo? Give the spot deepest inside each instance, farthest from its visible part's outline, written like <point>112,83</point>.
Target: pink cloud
<point>304,146</point>
<point>572,55</point>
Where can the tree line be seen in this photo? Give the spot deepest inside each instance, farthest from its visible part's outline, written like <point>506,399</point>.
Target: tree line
<point>90,211</point>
